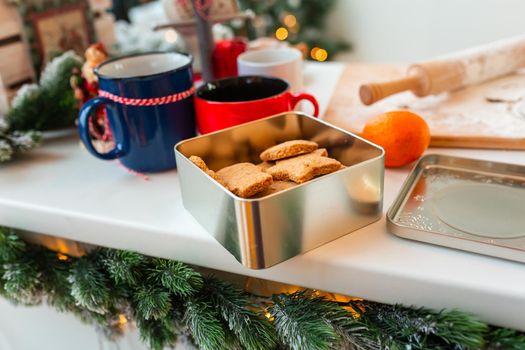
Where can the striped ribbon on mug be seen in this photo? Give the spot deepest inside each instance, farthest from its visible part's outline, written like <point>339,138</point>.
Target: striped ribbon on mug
<point>154,101</point>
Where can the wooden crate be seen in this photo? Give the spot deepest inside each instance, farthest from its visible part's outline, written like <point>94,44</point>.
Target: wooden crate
<point>9,21</point>
<point>15,64</point>
<point>15,59</point>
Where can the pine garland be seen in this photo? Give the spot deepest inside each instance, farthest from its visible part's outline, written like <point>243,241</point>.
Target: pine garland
<point>49,105</point>
<point>12,142</point>
<point>168,299</point>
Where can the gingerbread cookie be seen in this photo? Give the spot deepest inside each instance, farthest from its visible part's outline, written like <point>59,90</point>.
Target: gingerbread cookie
<point>320,152</point>
<point>276,186</point>
<point>244,179</point>
<point>303,168</point>
<point>265,165</point>
<point>201,164</point>
<point>288,149</point>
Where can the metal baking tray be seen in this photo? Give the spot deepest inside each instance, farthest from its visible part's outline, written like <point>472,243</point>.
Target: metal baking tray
<point>264,231</point>
<point>467,204</point>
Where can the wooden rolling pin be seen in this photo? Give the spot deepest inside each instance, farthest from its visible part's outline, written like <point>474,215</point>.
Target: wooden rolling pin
<point>453,71</point>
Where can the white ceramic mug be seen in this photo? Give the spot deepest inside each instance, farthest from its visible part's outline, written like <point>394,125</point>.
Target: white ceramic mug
<point>282,62</point>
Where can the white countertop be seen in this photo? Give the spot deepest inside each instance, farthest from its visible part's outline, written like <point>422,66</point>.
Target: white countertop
<point>61,190</point>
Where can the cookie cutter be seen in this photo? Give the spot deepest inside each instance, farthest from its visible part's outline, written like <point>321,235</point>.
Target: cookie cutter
<point>264,231</point>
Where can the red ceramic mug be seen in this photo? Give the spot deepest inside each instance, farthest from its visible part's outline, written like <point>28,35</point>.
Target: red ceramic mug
<point>232,101</point>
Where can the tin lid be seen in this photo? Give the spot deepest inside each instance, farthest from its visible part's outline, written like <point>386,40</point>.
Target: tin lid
<point>462,203</point>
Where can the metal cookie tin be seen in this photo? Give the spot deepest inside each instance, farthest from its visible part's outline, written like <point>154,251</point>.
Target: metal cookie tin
<point>467,204</point>
<point>264,231</point>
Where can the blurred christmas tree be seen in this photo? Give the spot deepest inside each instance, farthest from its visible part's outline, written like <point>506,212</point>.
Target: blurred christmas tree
<point>296,21</point>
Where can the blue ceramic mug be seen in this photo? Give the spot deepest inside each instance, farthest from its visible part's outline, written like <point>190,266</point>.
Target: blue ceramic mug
<point>149,104</point>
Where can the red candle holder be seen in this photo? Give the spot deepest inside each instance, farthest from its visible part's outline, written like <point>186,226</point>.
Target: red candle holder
<point>224,57</point>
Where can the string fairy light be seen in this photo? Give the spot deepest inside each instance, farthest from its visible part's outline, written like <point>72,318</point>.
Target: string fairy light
<point>290,21</point>
<point>313,51</point>
<point>62,257</point>
<point>281,33</point>
<point>122,320</point>
<point>319,54</point>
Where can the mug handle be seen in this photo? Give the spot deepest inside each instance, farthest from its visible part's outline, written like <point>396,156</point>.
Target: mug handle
<point>296,98</point>
<point>121,146</point>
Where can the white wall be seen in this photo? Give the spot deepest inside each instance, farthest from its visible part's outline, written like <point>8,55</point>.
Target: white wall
<point>410,30</point>
<point>43,328</point>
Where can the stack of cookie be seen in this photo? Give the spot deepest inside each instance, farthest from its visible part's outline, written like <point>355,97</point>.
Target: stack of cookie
<point>284,165</point>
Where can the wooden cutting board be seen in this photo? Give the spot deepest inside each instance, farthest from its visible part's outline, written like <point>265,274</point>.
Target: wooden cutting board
<point>489,115</point>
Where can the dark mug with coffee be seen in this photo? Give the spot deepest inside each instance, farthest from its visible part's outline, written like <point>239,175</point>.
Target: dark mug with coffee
<point>232,101</point>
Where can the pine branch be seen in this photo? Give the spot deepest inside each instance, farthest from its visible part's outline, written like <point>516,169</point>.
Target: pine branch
<point>231,341</point>
<point>57,72</point>
<point>3,293</point>
<point>253,331</point>
<point>11,246</point>
<point>6,151</point>
<point>157,333</point>
<point>22,141</point>
<point>55,283</point>
<point>300,323</point>
<point>355,337</point>
<point>217,315</point>
<point>21,281</point>
<point>505,339</point>
<point>89,284</point>
<point>124,266</point>
<point>398,326</point>
<point>151,302</point>
<point>456,327</point>
<point>12,142</point>
<point>177,277</point>
<point>202,320</point>
<point>51,104</point>
<point>2,262</point>
<point>21,276</point>
<point>354,334</point>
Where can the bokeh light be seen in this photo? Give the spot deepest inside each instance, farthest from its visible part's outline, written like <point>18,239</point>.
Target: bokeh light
<point>313,51</point>
<point>281,33</point>
<point>171,36</point>
<point>62,257</point>
<point>290,21</point>
<point>320,54</point>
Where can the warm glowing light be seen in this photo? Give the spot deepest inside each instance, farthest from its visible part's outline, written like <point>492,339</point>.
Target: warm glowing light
<point>313,51</point>
<point>281,33</point>
<point>171,36</point>
<point>269,316</point>
<point>62,257</point>
<point>321,55</point>
<point>122,320</point>
<point>290,21</point>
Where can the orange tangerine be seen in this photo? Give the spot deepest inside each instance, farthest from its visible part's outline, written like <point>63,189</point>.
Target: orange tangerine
<point>403,135</point>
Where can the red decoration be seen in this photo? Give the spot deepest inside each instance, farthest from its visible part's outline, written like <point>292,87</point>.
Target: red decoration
<point>148,101</point>
<point>224,57</point>
<point>85,86</point>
